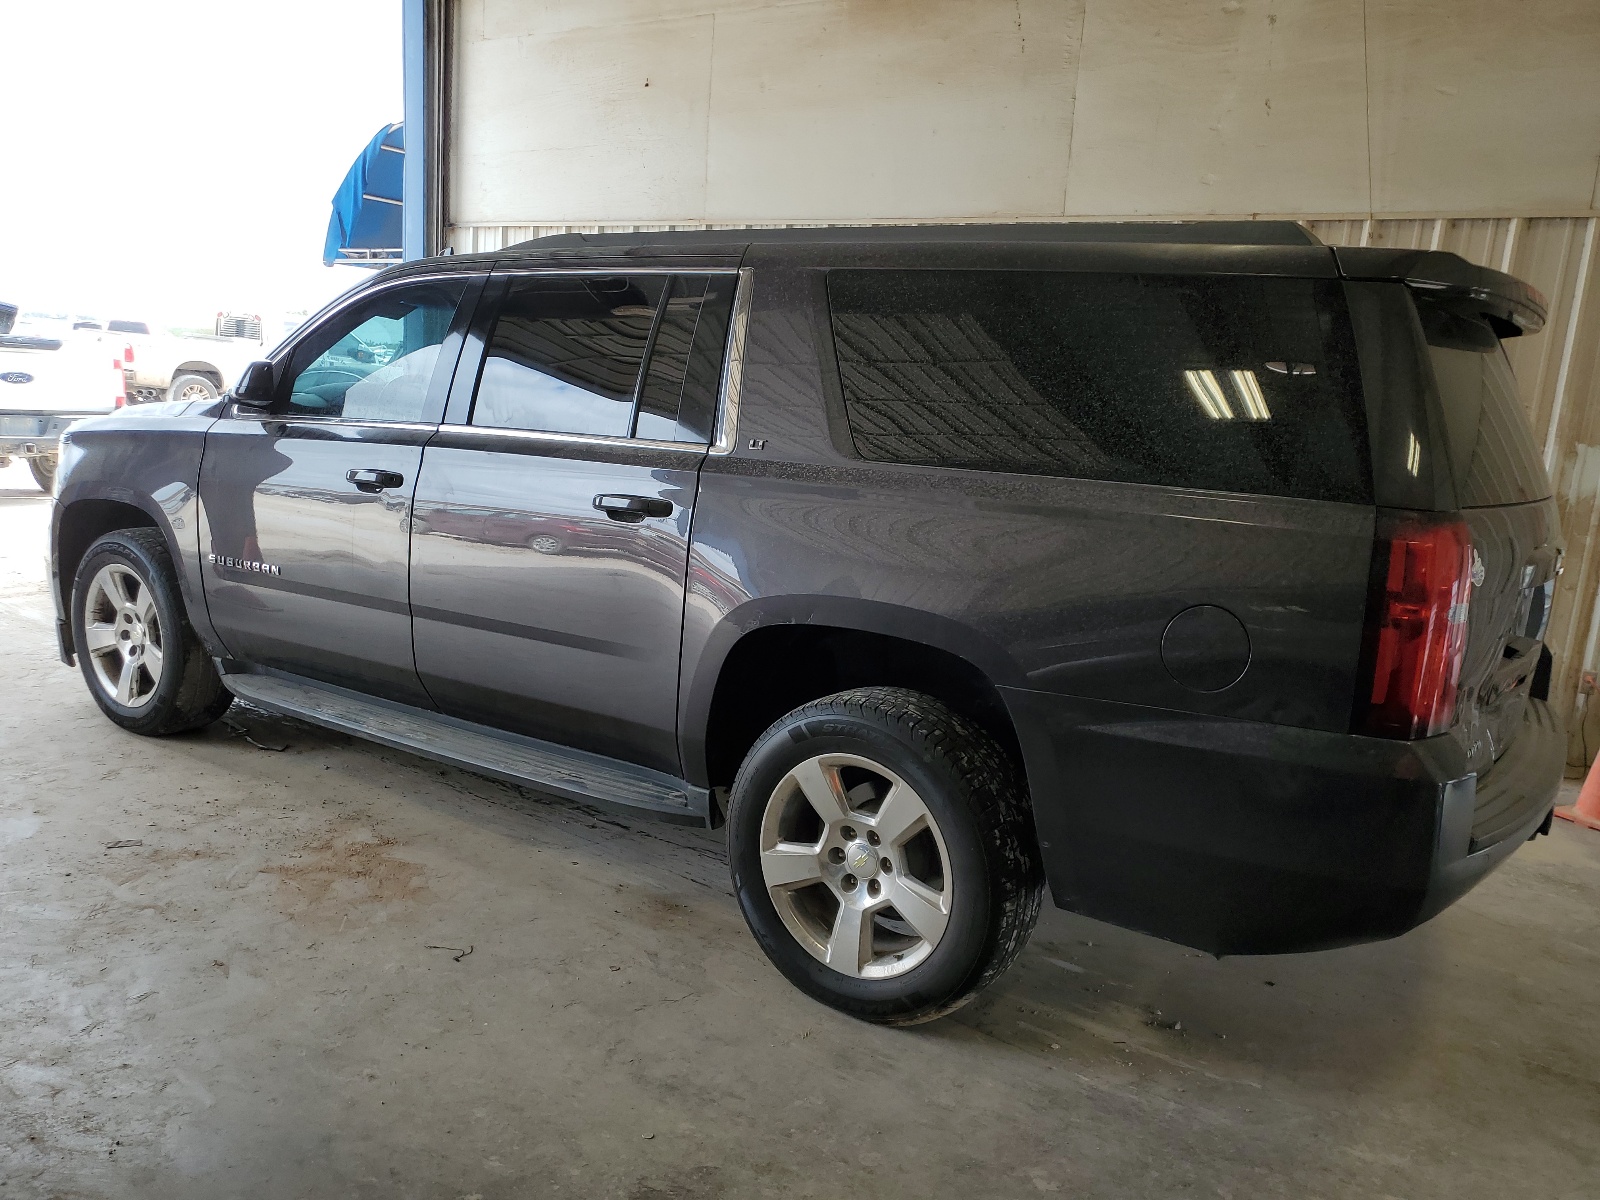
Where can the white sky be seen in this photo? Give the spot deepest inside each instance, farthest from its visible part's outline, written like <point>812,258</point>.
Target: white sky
<point>172,158</point>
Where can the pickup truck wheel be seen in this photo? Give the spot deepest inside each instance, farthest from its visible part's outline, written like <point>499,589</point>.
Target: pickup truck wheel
<point>141,658</point>
<point>44,470</point>
<point>883,854</point>
<point>192,387</point>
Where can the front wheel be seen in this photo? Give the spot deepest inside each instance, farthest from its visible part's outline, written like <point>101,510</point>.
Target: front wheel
<point>883,854</point>
<point>44,470</point>
<point>141,658</point>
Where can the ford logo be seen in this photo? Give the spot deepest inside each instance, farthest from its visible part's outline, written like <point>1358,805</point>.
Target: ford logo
<point>16,377</point>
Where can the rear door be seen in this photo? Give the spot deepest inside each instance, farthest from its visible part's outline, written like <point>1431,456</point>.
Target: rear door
<point>306,510</point>
<point>554,505</point>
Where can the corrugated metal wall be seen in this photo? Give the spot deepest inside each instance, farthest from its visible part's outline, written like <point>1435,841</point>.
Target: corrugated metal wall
<point>1558,371</point>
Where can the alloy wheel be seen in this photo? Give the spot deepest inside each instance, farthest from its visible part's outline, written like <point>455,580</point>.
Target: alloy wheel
<point>122,630</point>
<point>856,866</point>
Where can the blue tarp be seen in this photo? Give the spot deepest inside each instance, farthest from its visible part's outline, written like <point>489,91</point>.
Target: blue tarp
<point>366,226</point>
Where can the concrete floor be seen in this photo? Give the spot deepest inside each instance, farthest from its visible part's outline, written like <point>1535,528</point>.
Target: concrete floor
<point>252,1001</point>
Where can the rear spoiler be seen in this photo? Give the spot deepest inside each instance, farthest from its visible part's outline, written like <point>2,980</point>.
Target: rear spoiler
<point>1511,306</point>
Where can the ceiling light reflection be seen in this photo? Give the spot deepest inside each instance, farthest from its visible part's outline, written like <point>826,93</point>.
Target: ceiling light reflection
<point>1255,404</point>
<point>1205,388</point>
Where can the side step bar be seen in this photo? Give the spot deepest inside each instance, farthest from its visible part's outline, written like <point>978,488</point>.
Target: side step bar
<point>575,774</point>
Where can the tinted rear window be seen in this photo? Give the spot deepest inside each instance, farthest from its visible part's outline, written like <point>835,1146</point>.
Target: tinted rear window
<point>1232,383</point>
<point>1492,452</point>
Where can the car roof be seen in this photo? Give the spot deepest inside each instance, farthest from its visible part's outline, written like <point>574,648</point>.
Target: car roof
<point>1207,245</point>
<point>1211,233</point>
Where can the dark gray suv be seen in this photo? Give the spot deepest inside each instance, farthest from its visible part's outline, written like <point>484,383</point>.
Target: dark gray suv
<point>1200,571</point>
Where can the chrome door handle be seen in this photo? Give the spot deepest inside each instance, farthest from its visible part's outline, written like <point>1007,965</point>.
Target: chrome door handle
<point>630,509</point>
<point>371,480</point>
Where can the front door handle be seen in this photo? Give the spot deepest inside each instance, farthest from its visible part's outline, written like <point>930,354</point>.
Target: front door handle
<point>631,509</point>
<point>375,481</point>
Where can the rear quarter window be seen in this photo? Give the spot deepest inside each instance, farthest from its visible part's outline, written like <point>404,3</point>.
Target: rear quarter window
<point>1230,383</point>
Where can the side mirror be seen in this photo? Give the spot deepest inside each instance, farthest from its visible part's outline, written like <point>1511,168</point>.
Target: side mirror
<point>255,387</point>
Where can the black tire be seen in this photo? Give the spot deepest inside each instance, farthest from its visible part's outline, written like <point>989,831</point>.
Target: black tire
<point>44,470</point>
<point>969,787</point>
<point>194,385</point>
<point>189,692</point>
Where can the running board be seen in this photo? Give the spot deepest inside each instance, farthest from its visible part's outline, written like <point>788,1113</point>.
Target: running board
<point>575,774</point>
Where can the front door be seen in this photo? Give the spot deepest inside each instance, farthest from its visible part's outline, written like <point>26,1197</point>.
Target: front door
<point>553,510</point>
<point>306,509</point>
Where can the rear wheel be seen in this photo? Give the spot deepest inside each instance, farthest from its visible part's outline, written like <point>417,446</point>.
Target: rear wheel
<point>44,470</point>
<point>883,854</point>
<point>192,387</point>
<point>142,660</point>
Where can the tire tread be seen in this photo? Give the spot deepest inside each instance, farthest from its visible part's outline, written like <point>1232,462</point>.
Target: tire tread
<point>201,697</point>
<point>998,802</point>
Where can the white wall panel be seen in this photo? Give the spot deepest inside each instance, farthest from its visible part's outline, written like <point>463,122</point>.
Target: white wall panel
<point>829,111</point>
<point>878,110</point>
<point>575,126</point>
<point>1484,106</point>
<point>1225,108</point>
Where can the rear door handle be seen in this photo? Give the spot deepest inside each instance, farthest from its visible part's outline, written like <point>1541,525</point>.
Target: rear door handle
<point>372,480</point>
<point>633,508</point>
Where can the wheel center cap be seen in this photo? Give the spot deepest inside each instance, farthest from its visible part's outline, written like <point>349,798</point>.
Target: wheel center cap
<point>862,860</point>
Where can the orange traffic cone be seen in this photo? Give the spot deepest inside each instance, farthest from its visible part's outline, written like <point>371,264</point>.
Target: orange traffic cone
<point>1586,811</point>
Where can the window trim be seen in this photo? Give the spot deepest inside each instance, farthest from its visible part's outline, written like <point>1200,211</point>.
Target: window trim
<point>731,386</point>
<point>580,439</point>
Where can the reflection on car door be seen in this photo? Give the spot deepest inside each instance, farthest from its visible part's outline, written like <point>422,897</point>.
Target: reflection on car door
<point>547,567</point>
<point>307,509</point>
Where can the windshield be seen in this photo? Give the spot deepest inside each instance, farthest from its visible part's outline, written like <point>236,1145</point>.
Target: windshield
<point>1492,451</point>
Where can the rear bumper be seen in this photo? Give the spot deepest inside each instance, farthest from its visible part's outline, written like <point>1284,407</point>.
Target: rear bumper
<point>1243,838</point>
<point>25,434</point>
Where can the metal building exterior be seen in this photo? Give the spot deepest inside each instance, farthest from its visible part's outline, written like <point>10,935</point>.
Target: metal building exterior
<point>1464,125</point>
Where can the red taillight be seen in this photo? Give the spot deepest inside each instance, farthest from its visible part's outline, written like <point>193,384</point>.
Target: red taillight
<point>1416,625</point>
<point>127,354</point>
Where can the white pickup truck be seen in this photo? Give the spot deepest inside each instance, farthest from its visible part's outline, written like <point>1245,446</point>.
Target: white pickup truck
<point>50,376</point>
<point>165,366</point>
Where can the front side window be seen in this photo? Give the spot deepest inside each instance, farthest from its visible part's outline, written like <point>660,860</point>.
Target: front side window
<point>1232,383</point>
<point>606,356</point>
<point>374,361</point>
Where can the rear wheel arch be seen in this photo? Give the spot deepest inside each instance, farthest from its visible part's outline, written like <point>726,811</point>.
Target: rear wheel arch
<point>774,668</point>
<point>203,369</point>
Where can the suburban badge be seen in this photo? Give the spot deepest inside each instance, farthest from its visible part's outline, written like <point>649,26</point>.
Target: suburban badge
<point>243,564</point>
